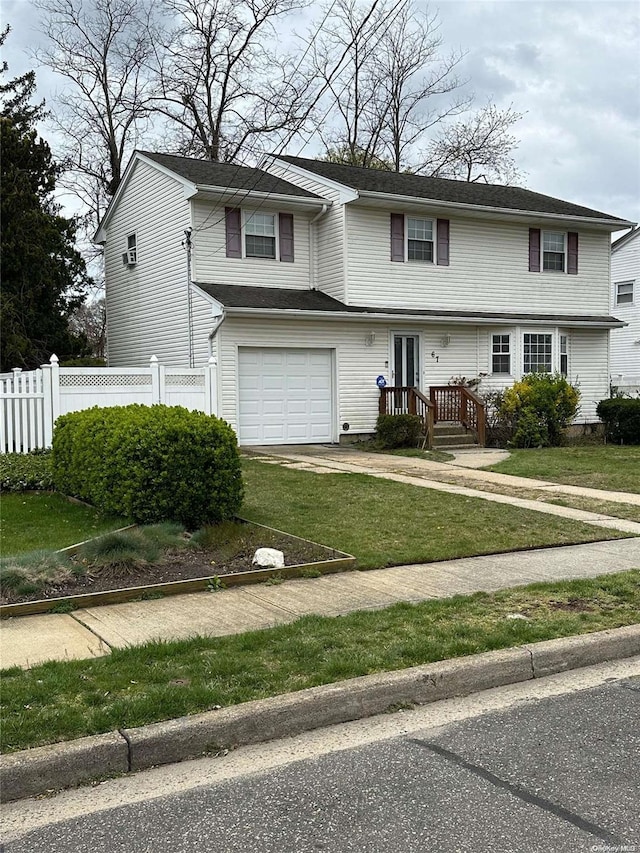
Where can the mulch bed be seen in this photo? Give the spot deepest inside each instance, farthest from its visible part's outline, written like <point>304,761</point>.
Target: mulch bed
<point>186,563</point>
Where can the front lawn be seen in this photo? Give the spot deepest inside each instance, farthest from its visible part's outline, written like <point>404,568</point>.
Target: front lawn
<point>385,523</point>
<point>607,466</point>
<point>32,521</point>
<point>158,681</point>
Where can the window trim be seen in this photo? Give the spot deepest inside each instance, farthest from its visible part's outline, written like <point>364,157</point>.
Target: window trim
<point>510,353</point>
<point>247,213</point>
<point>628,283</point>
<point>565,251</point>
<point>433,241</point>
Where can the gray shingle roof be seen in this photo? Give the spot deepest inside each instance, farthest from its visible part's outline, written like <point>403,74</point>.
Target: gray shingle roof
<point>289,299</point>
<point>207,173</point>
<point>442,189</point>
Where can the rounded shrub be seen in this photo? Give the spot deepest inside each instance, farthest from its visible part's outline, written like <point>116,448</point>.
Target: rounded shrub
<point>398,430</point>
<point>621,417</point>
<point>149,463</point>
<point>538,409</point>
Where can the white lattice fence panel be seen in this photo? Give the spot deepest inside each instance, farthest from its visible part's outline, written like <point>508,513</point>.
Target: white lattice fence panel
<point>186,388</point>
<point>82,388</point>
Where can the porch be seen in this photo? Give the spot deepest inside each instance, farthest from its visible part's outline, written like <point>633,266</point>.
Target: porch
<point>452,415</point>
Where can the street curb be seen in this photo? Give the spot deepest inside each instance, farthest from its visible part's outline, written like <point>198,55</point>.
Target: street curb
<point>62,765</point>
<point>67,765</point>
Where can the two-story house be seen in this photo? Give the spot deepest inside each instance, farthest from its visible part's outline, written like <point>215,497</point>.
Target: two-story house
<point>307,281</point>
<point>625,303</point>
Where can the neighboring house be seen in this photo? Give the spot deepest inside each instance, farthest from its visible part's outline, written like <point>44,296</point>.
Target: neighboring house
<point>625,304</point>
<point>308,280</point>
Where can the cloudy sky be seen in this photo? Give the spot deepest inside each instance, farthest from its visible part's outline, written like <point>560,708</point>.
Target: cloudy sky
<point>573,68</point>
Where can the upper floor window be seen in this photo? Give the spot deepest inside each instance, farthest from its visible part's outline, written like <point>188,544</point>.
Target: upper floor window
<point>260,235</point>
<point>501,354</point>
<point>553,251</point>
<point>253,234</point>
<point>419,239</point>
<point>624,292</point>
<point>536,353</point>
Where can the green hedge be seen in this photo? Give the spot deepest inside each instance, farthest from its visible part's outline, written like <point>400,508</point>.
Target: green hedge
<point>149,464</point>
<point>21,472</point>
<point>621,417</point>
<point>398,430</point>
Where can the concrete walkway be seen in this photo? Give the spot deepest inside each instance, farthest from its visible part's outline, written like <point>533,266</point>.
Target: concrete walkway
<point>93,632</point>
<point>323,459</point>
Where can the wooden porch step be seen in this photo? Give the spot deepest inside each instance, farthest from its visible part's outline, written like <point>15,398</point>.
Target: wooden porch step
<point>461,439</point>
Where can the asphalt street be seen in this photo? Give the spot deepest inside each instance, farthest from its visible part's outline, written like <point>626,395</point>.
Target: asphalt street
<point>557,772</point>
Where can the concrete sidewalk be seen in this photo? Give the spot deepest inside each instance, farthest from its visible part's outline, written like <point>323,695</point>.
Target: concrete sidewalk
<point>91,632</point>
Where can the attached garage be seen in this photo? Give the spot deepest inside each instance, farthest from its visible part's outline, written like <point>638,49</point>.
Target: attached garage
<point>285,395</point>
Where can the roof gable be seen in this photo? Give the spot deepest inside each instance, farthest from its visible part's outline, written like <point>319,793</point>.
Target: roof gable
<point>445,190</point>
<point>629,237</point>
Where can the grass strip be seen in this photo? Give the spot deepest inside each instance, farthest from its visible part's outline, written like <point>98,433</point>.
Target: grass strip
<point>31,521</point>
<point>607,466</point>
<point>386,523</point>
<point>63,700</point>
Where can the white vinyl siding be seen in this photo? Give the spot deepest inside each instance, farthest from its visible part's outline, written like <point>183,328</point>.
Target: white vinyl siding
<point>147,303</point>
<point>330,234</point>
<point>625,343</point>
<point>488,271</point>
<point>210,261</point>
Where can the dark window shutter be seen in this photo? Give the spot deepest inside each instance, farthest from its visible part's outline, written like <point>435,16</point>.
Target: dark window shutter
<point>233,232</point>
<point>572,253</point>
<point>285,227</point>
<point>397,237</point>
<point>443,242</point>
<point>534,250</point>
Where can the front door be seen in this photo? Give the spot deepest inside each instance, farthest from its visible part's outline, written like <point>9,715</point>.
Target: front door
<point>406,361</point>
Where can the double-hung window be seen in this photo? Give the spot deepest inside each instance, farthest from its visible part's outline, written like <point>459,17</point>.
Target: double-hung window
<point>536,351</point>
<point>624,292</point>
<point>553,251</point>
<point>420,239</point>
<point>260,235</point>
<point>501,354</point>
<point>564,355</point>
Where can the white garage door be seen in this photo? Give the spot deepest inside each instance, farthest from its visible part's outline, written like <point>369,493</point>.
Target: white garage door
<point>284,396</point>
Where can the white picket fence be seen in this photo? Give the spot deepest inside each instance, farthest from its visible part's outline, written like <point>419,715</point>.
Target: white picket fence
<point>31,401</point>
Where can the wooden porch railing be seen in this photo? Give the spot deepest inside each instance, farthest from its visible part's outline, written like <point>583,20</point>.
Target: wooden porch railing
<point>459,404</point>
<point>407,400</point>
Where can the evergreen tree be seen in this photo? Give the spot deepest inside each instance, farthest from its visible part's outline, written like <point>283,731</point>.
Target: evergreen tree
<point>44,277</point>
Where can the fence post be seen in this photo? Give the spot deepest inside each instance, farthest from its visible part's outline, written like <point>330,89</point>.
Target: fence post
<point>51,400</point>
<point>211,387</point>
<point>156,393</point>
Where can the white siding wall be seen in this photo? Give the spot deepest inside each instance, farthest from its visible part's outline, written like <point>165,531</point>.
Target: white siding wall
<point>625,352</point>
<point>489,270</point>
<point>147,304</point>
<point>357,365</point>
<point>211,263</point>
<point>329,233</point>
<point>590,371</point>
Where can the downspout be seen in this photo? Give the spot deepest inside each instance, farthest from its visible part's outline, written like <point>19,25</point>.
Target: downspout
<point>313,260</point>
<point>219,320</point>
